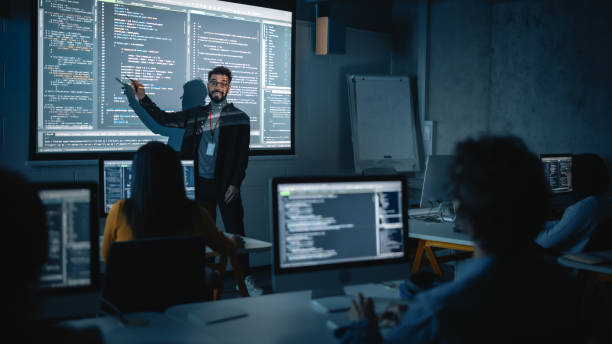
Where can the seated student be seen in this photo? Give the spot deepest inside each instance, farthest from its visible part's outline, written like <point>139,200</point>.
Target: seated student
<point>158,205</point>
<point>593,206</point>
<point>509,292</point>
<point>24,219</point>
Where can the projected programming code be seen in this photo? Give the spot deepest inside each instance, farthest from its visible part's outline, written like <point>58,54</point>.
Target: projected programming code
<point>144,44</point>
<point>236,45</point>
<point>276,116</point>
<point>337,227</point>
<point>84,45</point>
<point>68,224</point>
<point>66,66</point>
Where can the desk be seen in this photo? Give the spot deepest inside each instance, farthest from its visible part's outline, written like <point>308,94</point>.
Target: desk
<point>250,245</point>
<point>439,235</point>
<point>604,268</point>
<point>273,318</point>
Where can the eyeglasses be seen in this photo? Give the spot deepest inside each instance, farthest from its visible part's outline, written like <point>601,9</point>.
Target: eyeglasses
<point>215,83</point>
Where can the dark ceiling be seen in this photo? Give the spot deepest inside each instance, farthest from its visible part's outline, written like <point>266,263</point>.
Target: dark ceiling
<point>361,14</point>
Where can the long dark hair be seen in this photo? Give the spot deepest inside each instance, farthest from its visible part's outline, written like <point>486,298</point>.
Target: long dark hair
<point>158,205</point>
<point>590,176</point>
<point>502,192</point>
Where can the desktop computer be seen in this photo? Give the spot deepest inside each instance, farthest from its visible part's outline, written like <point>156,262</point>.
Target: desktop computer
<point>116,181</point>
<point>330,232</point>
<point>72,263</point>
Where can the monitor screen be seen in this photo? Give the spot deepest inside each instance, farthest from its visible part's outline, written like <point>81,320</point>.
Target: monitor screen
<point>437,181</point>
<point>558,170</point>
<point>340,223</point>
<point>72,261</point>
<point>83,46</point>
<point>116,181</point>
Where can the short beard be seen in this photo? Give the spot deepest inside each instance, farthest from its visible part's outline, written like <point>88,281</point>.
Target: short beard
<point>212,99</point>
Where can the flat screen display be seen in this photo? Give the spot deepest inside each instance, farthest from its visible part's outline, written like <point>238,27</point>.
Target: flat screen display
<point>322,223</point>
<point>83,46</point>
<point>116,181</point>
<point>72,261</point>
<point>558,170</point>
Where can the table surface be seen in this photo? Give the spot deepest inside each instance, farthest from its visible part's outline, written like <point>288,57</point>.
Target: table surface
<point>273,318</point>
<point>437,231</point>
<point>250,245</point>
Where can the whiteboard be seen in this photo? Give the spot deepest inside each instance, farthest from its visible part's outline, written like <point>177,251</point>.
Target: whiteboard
<point>383,124</point>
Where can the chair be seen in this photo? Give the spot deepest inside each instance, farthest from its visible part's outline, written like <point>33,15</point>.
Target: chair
<point>153,274</point>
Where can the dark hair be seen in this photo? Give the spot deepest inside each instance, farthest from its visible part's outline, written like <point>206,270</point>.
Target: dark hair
<point>158,205</point>
<point>221,70</point>
<point>24,219</point>
<point>194,93</point>
<point>589,175</point>
<point>502,192</point>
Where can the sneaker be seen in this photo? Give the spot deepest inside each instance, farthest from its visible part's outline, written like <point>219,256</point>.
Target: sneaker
<point>251,286</point>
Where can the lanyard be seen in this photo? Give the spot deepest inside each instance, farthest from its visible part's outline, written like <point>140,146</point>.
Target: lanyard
<point>212,130</point>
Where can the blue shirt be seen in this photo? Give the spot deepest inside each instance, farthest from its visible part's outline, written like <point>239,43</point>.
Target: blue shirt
<point>206,162</point>
<point>571,234</point>
<point>498,299</point>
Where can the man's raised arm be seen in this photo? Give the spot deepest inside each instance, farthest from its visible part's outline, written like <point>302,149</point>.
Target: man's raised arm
<point>136,92</point>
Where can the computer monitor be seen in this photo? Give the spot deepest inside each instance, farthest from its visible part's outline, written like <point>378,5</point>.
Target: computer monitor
<point>72,262</point>
<point>437,181</point>
<point>334,231</point>
<point>116,181</point>
<point>558,170</point>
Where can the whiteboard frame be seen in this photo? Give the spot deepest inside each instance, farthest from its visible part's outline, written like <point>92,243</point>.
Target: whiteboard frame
<point>402,150</point>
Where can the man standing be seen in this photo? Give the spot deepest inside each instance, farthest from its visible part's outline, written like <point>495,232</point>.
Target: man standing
<point>218,136</point>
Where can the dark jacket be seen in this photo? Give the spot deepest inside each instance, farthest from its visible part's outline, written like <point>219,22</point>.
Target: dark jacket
<point>234,137</point>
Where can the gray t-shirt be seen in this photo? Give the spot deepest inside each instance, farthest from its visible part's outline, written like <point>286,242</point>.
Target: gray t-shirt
<point>209,143</point>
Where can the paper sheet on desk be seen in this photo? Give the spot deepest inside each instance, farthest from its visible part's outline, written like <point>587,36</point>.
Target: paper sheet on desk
<point>200,318</point>
<point>161,329</point>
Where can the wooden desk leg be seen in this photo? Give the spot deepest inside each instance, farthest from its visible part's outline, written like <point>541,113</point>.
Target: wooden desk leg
<point>418,256</point>
<point>433,261</point>
<point>220,268</point>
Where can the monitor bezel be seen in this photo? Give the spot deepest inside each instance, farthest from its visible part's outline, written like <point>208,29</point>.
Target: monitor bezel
<point>94,236</point>
<point>560,155</point>
<point>427,179</point>
<point>101,192</point>
<point>35,155</point>
<point>343,265</point>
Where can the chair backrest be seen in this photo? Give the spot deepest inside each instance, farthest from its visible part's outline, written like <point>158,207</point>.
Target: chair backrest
<point>153,274</point>
<point>601,238</point>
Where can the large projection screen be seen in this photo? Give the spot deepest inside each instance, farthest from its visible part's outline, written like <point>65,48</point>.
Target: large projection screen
<point>82,46</point>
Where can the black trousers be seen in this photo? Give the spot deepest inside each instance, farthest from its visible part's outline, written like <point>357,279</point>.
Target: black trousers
<point>210,195</point>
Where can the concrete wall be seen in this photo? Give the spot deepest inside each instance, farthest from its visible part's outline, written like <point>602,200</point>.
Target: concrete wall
<point>537,69</point>
<point>323,143</point>
<point>459,62</point>
<point>551,75</point>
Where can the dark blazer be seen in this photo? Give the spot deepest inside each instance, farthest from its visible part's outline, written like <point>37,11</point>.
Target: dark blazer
<point>234,137</point>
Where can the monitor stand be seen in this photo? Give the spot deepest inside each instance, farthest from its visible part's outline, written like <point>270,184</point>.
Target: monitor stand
<point>330,300</point>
